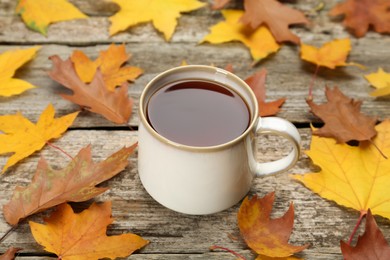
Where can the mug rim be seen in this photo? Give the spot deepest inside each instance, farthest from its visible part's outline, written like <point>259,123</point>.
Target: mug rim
<point>254,116</point>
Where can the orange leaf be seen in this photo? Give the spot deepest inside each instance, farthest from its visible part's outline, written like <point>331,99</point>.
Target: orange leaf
<point>109,62</point>
<point>114,106</point>
<point>83,236</point>
<point>361,14</point>
<point>343,119</point>
<point>372,245</point>
<point>22,137</point>
<point>276,16</point>
<point>257,84</point>
<point>330,55</point>
<point>10,253</point>
<point>76,183</point>
<point>264,235</point>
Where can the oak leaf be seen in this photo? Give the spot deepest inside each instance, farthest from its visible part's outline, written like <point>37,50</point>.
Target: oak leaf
<point>257,83</point>
<point>10,253</point>
<point>264,235</point>
<point>359,15</point>
<point>10,61</point>
<point>342,117</point>
<point>354,177</point>
<point>38,14</point>
<point>260,41</point>
<point>76,182</point>
<point>110,63</point>
<point>330,55</point>
<point>115,106</point>
<point>371,245</point>
<point>163,14</point>
<point>380,80</point>
<point>22,137</point>
<point>276,16</point>
<point>83,236</point>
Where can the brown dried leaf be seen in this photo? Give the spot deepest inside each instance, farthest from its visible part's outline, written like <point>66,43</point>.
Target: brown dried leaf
<point>10,253</point>
<point>342,117</point>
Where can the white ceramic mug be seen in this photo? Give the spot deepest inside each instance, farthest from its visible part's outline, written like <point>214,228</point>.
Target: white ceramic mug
<point>205,180</point>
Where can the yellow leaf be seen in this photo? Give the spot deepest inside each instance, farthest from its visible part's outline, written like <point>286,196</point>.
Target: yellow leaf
<point>109,62</point>
<point>380,80</point>
<point>354,177</point>
<point>10,61</point>
<point>22,137</point>
<point>330,55</point>
<point>260,41</point>
<point>83,236</point>
<point>162,13</point>
<point>38,14</point>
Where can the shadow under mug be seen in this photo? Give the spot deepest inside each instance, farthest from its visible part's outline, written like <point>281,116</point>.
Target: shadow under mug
<point>209,179</point>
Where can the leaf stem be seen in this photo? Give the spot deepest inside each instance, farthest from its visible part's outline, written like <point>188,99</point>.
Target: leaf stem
<point>59,149</point>
<point>7,233</point>
<point>313,79</point>
<point>379,150</point>
<point>228,250</point>
<point>362,215</point>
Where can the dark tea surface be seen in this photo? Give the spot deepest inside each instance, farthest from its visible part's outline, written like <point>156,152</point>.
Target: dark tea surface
<point>198,113</point>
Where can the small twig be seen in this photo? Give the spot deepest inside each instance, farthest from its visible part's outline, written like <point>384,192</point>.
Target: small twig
<point>362,215</point>
<point>313,79</point>
<point>227,250</point>
<point>7,233</point>
<point>59,149</point>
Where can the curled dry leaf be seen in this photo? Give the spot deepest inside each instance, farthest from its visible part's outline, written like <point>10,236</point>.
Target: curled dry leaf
<point>264,235</point>
<point>371,245</point>
<point>10,253</point>
<point>38,14</point>
<point>342,117</point>
<point>76,182</point>
<point>115,106</point>
<point>83,236</point>
<point>260,41</point>
<point>22,137</point>
<point>357,177</point>
<point>359,15</point>
<point>163,14</point>
<point>276,16</point>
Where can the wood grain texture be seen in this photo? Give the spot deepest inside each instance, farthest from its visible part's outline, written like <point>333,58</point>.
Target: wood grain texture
<point>174,236</point>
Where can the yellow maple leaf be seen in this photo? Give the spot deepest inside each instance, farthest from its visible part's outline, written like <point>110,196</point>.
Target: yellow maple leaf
<point>380,80</point>
<point>83,236</point>
<point>38,14</point>
<point>354,177</point>
<point>260,41</point>
<point>109,62</point>
<point>10,61</point>
<point>330,55</point>
<point>162,13</point>
<point>22,137</point>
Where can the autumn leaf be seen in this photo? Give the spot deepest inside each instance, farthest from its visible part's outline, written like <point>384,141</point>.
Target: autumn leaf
<point>330,55</point>
<point>115,106</point>
<point>257,83</point>
<point>260,41</point>
<point>380,80</point>
<point>38,14</point>
<point>10,61</point>
<point>359,15</point>
<point>371,245</point>
<point>83,236</point>
<point>22,137</point>
<point>110,63</point>
<point>354,177</point>
<point>162,13</point>
<point>219,4</point>
<point>276,16</point>
<point>76,182</point>
<point>10,253</point>
<point>264,235</point>
<point>342,117</point>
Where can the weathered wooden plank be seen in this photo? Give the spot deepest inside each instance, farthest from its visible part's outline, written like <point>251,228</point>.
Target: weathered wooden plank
<point>317,221</point>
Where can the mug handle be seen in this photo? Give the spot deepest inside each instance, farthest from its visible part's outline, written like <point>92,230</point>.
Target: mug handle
<point>285,129</point>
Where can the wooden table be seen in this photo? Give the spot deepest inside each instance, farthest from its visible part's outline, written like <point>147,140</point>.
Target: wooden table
<point>172,235</point>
